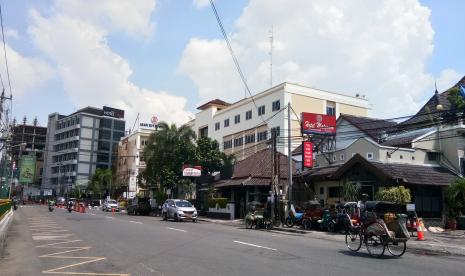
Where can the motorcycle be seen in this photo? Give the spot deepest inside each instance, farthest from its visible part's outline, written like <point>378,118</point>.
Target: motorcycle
<point>326,222</point>
<point>70,208</point>
<point>50,208</point>
<point>294,218</point>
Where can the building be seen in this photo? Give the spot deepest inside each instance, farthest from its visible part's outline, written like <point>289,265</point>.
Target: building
<point>79,143</point>
<point>131,158</point>
<point>242,128</point>
<point>28,140</point>
<point>424,153</point>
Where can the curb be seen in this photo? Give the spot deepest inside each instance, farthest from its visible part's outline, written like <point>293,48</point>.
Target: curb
<point>4,225</point>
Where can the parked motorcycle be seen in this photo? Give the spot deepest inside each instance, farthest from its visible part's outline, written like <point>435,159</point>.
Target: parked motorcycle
<point>294,218</point>
<point>326,223</point>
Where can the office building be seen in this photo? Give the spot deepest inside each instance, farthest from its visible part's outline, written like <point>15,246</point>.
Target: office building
<point>79,143</point>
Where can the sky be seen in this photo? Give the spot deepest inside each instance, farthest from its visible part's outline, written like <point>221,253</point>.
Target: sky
<point>166,57</point>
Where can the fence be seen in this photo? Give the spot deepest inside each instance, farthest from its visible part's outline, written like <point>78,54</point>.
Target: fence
<point>5,206</point>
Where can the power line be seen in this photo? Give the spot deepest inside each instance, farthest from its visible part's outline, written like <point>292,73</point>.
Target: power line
<point>4,51</point>
<point>236,62</point>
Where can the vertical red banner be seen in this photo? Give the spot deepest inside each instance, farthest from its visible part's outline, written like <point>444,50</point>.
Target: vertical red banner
<point>307,154</point>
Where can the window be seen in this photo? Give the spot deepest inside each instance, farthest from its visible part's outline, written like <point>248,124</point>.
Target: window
<point>276,105</point>
<point>276,129</point>
<point>217,125</point>
<point>118,125</point>
<point>203,132</point>
<point>334,158</point>
<point>334,191</point>
<point>331,108</point>
<point>227,144</point>
<point>103,157</point>
<point>433,156</point>
<point>103,145</point>
<point>248,115</point>
<point>237,119</point>
<point>117,135</point>
<point>369,156</point>
<point>105,134</point>
<point>226,123</point>
<point>262,136</point>
<point>401,156</point>
<point>105,123</point>
<point>238,142</point>
<point>250,139</point>
<point>322,190</point>
<point>341,156</point>
<point>261,110</point>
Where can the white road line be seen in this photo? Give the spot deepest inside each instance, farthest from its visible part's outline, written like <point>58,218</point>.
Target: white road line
<point>176,229</point>
<point>138,222</point>
<point>255,245</point>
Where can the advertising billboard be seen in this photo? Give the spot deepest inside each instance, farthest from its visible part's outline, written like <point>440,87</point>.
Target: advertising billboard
<point>27,168</point>
<point>113,112</point>
<point>192,171</point>
<point>307,154</point>
<point>313,123</point>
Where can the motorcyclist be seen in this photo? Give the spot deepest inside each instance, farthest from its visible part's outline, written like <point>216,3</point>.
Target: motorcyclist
<point>51,203</point>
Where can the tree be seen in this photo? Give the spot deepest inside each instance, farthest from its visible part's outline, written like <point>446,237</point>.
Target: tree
<point>455,198</point>
<point>457,100</point>
<point>209,155</point>
<point>101,181</point>
<point>351,191</point>
<point>167,150</point>
<point>398,194</point>
<point>227,166</point>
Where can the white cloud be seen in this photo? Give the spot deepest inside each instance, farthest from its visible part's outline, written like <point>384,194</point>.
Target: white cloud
<point>201,3</point>
<point>11,33</point>
<point>27,74</point>
<point>131,17</point>
<point>447,79</point>
<point>92,74</point>
<point>376,48</point>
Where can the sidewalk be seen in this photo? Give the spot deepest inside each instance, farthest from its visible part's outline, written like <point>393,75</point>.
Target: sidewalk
<point>444,243</point>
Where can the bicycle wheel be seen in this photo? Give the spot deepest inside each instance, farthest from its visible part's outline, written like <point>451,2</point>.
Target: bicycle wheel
<point>375,245</point>
<point>353,239</point>
<point>397,249</point>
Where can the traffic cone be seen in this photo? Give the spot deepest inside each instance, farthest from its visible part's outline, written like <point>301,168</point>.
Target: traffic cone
<point>420,231</point>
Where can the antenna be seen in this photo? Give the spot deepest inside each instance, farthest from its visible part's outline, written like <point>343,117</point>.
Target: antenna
<point>135,121</point>
<point>271,55</point>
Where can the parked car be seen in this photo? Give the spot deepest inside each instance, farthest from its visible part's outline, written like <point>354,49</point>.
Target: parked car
<point>95,203</point>
<point>110,204</point>
<point>139,206</point>
<point>179,209</point>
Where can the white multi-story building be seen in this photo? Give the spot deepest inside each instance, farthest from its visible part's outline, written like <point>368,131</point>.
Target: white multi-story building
<point>243,127</point>
<point>131,158</point>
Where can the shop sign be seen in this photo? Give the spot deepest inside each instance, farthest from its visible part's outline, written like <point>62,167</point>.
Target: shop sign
<point>313,123</point>
<point>307,154</point>
<point>191,171</point>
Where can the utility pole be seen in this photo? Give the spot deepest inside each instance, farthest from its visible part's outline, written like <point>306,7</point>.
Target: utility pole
<point>274,177</point>
<point>289,150</point>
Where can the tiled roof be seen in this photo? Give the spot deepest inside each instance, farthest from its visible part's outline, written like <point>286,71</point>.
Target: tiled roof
<point>259,165</point>
<point>404,139</point>
<point>406,173</point>
<point>370,126</point>
<point>213,102</point>
<point>417,174</point>
<point>428,114</point>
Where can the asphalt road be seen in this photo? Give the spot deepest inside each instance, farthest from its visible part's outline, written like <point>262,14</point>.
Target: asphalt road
<point>97,243</point>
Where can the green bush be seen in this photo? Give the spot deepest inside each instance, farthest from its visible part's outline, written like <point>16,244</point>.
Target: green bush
<point>455,198</point>
<point>5,206</point>
<point>398,194</point>
<point>221,201</point>
<point>161,197</point>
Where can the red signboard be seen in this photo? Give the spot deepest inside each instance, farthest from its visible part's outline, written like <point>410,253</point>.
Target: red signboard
<point>307,154</point>
<point>193,171</point>
<point>313,123</point>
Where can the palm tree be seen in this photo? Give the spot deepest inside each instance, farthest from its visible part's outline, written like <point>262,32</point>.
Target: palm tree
<point>101,180</point>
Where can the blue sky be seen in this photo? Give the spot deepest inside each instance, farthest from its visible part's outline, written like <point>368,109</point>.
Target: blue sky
<point>167,57</point>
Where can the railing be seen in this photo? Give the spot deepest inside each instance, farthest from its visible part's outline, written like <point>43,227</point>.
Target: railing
<point>5,206</point>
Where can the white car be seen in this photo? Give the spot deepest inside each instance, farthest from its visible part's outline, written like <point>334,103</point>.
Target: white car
<point>179,209</point>
<point>109,204</point>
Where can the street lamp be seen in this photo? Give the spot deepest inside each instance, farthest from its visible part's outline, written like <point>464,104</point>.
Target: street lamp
<point>21,145</point>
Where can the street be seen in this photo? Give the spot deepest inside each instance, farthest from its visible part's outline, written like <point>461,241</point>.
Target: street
<point>97,243</point>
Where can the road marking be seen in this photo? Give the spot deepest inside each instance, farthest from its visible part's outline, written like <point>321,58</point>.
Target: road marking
<point>49,237</point>
<point>138,222</point>
<point>176,229</point>
<point>255,245</point>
